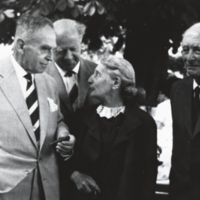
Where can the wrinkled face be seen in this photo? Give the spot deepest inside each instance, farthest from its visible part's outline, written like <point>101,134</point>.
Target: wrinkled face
<point>191,53</point>
<point>68,51</point>
<point>39,51</point>
<point>100,83</point>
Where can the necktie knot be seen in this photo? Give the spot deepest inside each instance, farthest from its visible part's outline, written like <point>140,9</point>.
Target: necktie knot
<point>69,73</point>
<point>28,77</point>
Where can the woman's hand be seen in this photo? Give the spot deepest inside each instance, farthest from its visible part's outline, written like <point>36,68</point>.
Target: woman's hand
<point>85,183</point>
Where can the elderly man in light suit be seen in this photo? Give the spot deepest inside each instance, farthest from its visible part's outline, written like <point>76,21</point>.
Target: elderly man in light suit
<point>30,116</point>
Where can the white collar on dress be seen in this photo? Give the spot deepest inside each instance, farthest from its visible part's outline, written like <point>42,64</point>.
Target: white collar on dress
<point>108,112</point>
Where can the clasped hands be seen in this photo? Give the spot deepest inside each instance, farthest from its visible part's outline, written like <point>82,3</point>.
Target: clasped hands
<point>85,183</point>
<point>65,147</point>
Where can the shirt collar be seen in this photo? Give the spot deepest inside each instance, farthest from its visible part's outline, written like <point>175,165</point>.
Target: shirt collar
<point>195,84</point>
<point>63,72</point>
<point>18,69</point>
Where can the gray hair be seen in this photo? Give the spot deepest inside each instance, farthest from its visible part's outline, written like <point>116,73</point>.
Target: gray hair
<point>119,67</point>
<point>194,28</point>
<point>68,27</point>
<point>28,24</point>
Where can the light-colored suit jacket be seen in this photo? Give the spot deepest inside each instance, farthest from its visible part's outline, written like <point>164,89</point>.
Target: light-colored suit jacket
<point>19,152</point>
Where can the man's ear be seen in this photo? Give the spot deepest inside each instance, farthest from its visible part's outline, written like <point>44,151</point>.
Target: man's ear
<point>116,83</point>
<point>20,46</point>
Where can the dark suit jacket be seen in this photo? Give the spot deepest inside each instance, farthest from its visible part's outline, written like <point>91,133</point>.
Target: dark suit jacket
<point>185,171</point>
<point>86,70</point>
<point>134,150</point>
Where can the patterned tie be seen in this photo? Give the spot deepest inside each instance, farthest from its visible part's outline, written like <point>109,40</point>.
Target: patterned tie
<point>73,91</point>
<point>32,104</point>
<point>196,105</point>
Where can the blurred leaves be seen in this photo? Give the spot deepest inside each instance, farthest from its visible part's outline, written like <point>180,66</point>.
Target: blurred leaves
<point>104,17</point>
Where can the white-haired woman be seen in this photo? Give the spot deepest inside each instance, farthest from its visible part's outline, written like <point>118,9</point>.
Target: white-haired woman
<point>115,152</point>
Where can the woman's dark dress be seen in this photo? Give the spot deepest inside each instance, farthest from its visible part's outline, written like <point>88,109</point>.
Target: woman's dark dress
<point>118,153</point>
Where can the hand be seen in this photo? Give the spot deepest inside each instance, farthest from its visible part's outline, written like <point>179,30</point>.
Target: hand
<point>65,147</point>
<point>85,183</point>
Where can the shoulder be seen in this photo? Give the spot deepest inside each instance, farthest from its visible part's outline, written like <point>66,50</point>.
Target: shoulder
<point>51,69</point>
<point>143,116</point>
<point>87,63</point>
<point>146,118</point>
<point>49,81</point>
<point>182,82</point>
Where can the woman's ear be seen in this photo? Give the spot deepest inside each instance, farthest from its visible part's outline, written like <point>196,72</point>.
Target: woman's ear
<point>116,83</point>
<point>20,46</point>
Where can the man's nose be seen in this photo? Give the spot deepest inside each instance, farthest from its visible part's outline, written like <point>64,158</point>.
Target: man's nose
<point>68,54</point>
<point>191,56</point>
<point>49,56</point>
<point>90,80</point>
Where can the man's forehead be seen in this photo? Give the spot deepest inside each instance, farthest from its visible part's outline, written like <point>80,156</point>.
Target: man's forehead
<point>191,37</point>
<point>45,38</point>
<point>68,41</point>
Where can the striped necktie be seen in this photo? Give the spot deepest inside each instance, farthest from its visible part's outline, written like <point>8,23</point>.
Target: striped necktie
<point>32,104</point>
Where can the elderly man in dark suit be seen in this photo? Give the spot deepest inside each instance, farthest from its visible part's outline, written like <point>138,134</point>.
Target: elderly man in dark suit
<point>70,71</point>
<point>185,172</point>
<point>71,74</point>
<point>30,116</point>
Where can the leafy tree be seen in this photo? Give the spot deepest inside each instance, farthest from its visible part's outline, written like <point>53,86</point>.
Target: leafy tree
<point>145,26</point>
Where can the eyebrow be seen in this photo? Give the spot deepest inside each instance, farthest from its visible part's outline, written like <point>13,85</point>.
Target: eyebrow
<point>47,46</point>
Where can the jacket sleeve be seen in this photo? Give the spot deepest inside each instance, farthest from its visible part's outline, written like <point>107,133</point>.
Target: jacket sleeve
<point>140,171</point>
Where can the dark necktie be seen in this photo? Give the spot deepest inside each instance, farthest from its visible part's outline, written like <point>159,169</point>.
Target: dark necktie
<point>196,105</point>
<point>73,93</point>
<point>32,104</point>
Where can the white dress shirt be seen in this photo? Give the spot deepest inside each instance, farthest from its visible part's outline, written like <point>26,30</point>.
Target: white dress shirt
<point>69,81</point>
<point>20,75</point>
<point>195,85</point>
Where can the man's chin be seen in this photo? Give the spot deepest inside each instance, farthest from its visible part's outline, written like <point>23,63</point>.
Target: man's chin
<point>193,73</point>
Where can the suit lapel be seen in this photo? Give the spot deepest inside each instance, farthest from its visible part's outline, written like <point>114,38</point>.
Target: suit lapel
<point>43,106</point>
<point>130,122</point>
<point>11,88</point>
<point>186,101</point>
<point>53,71</point>
<point>84,74</point>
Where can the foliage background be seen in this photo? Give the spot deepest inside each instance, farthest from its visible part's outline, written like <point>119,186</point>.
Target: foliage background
<point>146,27</point>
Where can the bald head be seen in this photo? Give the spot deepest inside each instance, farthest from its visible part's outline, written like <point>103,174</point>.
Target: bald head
<point>69,28</point>
<point>69,34</point>
<point>195,29</point>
